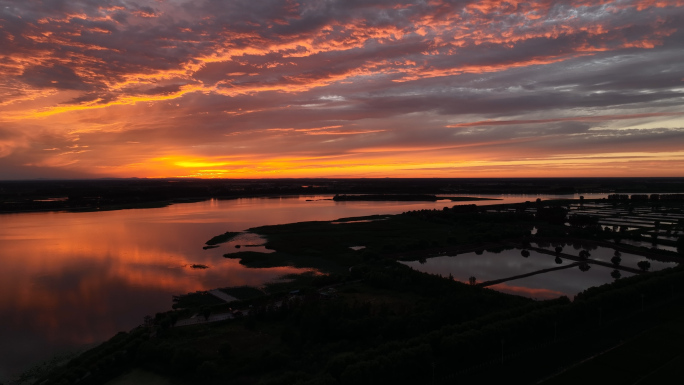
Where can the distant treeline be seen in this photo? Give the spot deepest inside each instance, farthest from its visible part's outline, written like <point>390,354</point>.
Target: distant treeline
<point>645,197</point>
<point>108,194</point>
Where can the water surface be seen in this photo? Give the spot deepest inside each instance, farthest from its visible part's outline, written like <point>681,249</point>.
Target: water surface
<point>490,266</point>
<point>70,279</point>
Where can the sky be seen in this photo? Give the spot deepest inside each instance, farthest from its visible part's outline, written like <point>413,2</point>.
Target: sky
<point>341,88</point>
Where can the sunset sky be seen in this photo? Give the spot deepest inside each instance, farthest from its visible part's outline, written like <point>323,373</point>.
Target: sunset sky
<point>341,88</point>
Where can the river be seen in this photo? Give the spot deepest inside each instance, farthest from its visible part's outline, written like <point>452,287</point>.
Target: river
<point>70,280</point>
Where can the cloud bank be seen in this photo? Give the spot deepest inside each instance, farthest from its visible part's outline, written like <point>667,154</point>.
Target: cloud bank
<point>341,88</point>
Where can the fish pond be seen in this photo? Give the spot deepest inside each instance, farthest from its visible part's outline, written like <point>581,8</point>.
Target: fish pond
<point>537,275</point>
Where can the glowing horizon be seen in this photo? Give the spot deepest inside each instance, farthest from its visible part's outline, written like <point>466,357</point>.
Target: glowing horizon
<point>337,89</point>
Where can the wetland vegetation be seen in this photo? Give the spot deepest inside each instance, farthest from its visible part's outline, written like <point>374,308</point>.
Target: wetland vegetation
<point>223,238</point>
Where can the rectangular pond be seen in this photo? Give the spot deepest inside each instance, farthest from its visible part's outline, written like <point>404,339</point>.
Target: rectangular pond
<point>605,254</point>
<point>491,266</point>
<point>557,283</point>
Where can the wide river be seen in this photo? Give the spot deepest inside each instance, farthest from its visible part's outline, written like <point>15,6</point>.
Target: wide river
<point>70,280</point>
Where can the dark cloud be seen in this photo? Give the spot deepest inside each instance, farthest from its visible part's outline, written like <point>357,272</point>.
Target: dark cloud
<point>55,76</point>
<point>266,79</point>
<point>163,90</point>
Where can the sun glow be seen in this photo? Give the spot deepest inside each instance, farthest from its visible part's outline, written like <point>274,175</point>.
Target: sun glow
<point>445,89</point>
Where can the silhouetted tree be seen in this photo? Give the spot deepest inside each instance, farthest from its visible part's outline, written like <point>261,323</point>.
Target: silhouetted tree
<point>559,249</point>
<point>616,260</point>
<point>472,280</point>
<point>616,274</point>
<point>525,253</point>
<point>644,265</point>
<point>584,267</point>
<point>558,260</point>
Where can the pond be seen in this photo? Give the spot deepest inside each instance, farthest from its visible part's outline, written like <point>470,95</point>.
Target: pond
<point>605,254</point>
<point>648,244</point>
<point>557,283</point>
<point>486,266</point>
<point>490,266</point>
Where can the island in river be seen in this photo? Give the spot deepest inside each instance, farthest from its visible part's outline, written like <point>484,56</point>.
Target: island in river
<point>364,316</point>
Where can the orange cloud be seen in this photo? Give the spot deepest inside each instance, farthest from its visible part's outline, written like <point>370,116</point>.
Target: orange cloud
<point>157,90</point>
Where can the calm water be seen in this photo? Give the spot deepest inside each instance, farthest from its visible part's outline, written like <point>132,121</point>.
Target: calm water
<point>605,254</point>
<point>510,263</point>
<point>554,284</point>
<point>71,279</point>
<point>485,267</point>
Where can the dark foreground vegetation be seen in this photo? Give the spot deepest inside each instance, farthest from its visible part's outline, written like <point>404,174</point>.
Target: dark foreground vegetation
<point>365,318</point>
<point>395,326</point>
<point>113,194</point>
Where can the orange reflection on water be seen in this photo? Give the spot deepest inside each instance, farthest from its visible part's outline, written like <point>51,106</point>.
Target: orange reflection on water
<point>75,278</point>
<point>527,291</point>
<point>70,279</point>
